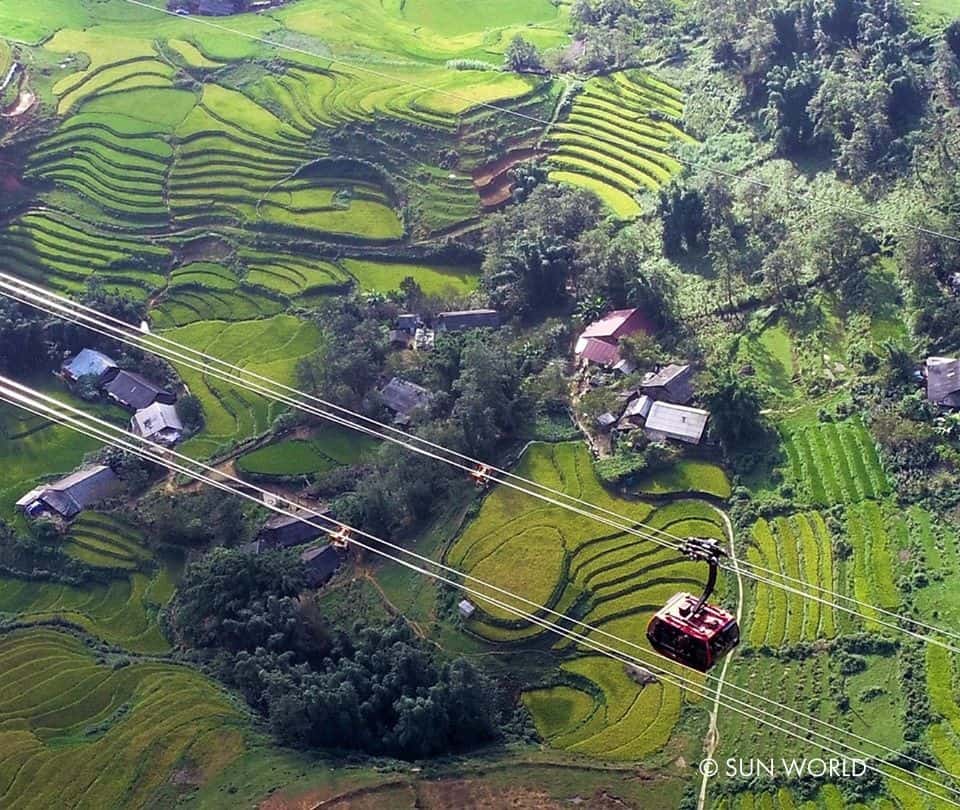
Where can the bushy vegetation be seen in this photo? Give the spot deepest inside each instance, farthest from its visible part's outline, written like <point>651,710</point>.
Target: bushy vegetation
<point>383,693</point>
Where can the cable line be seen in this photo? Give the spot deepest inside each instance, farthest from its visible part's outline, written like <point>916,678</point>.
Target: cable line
<point>115,328</point>
<point>50,408</point>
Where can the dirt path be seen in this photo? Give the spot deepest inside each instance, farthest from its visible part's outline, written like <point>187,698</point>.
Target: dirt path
<point>713,737</point>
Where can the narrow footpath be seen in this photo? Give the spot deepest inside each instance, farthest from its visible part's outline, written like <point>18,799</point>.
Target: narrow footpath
<point>713,736</point>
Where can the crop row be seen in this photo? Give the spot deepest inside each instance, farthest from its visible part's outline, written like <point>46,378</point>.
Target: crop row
<point>869,532</point>
<point>613,138</point>
<point>127,728</point>
<point>836,463</point>
<point>613,717</point>
<point>798,548</point>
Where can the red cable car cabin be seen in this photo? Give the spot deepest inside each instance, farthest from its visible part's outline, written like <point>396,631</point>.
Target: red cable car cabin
<point>697,640</point>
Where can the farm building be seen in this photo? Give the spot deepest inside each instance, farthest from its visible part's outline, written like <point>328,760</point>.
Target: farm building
<point>599,342</point>
<point>668,421</point>
<point>71,495</point>
<point>635,414</point>
<point>943,381</point>
<point>672,383</point>
<point>466,608</point>
<point>136,392</point>
<point>467,319</point>
<point>320,564</point>
<point>158,422</point>
<point>408,322</point>
<point>404,397</point>
<point>88,363</point>
<point>605,421</point>
<point>284,531</point>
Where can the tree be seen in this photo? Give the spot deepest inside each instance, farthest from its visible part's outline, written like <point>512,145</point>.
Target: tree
<point>734,406</point>
<point>522,56</point>
<point>190,411</point>
<point>218,590</point>
<point>530,251</point>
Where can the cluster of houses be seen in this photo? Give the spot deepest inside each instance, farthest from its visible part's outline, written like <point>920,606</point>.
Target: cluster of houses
<point>411,331</point>
<point>320,561</point>
<point>154,418</point>
<point>660,404</point>
<point>403,397</point>
<point>153,406</point>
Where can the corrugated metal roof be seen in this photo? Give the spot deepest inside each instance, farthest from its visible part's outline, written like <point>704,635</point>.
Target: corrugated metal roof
<point>468,319</point>
<point>608,324</point>
<point>403,397</point>
<point>600,352</point>
<point>151,420</point>
<point>89,361</point>
<point>677,421</point>
<point>943,377</point>
<point>134,390</point>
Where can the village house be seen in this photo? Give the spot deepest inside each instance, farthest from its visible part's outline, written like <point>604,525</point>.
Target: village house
<point>598,344</point>
<point>404,397</point>
<point>71,495</point>
<point>408,322</point>
<point>158,422</point>
<point>286,531</point>
<point>672,383</point>
<point>320,563</point>
<point>943,381</point>
<point>136,392</point>
<point>88,363</point>
<point>668,421</point>
<point>460,320</point>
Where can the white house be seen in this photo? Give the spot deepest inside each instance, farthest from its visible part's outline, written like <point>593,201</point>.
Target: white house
<point>158,423</point>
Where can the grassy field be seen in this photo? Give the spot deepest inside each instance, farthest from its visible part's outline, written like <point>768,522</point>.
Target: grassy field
<point>386,277</point>
<point>689,476</point>
<point>610,143</point>
<point>269,346</point>
<point>330,447</point>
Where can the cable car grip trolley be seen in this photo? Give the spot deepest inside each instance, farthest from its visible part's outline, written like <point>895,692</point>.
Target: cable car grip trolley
<point>689,629</point>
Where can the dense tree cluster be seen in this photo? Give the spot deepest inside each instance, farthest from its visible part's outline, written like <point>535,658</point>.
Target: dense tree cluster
<point>381,692</point>
<point>845,76</point>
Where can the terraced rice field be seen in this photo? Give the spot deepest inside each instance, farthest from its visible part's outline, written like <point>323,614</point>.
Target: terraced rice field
<point>614,720</point>
<point>615,140</point>
<point>799,546</point>
<point>122,612</point>
<point>835,462</point>
<point>205,291</point>
<point>59,251</point>
<point>617,580</point>
<point>331,447</point>
<point>104,541</point>
<point>75,732</point>
<point>269,346</point>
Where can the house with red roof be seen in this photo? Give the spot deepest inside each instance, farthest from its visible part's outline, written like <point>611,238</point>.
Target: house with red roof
<point>599,342</point>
